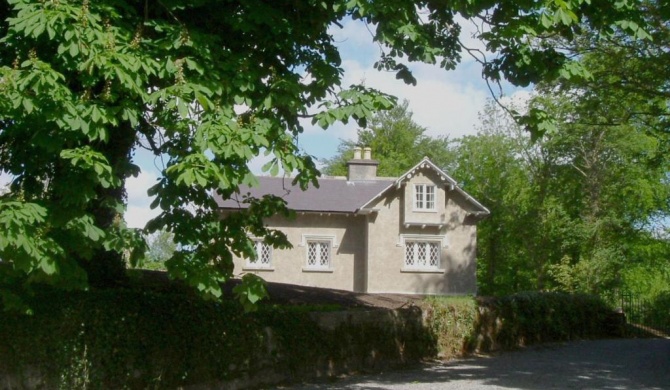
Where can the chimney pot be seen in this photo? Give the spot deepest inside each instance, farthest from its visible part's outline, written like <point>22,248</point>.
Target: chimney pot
<point>357,153</point>
<point>367,154</point>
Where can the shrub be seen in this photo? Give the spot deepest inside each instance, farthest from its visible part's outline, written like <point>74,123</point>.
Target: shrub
<point>533,317</point>
<point>489,323</point>
<point>659,312</point>
<point>452,320</point>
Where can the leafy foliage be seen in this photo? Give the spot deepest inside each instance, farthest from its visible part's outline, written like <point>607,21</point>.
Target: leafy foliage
<point>570,211</point>
<point>160,248</point>
<point>453,321</point>
<point>464,325</point>
<point>533,317</point>
<point>209,85</point>
<point>627,69</point>
<point>623,107</point>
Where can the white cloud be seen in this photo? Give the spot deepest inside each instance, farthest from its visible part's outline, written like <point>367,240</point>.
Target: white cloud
<point>137,187</point>
<point>5,179</point>
<point>138,216</point>
<point>257,163</point>
<point>469,30</point>
<point>443,105</point>
<point>518,100</point>
<point>447,103</point>
<point>138,212</point>
<point>355,36</point>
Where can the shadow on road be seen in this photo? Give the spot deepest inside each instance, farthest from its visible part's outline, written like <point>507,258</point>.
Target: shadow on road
<point>602,364</point>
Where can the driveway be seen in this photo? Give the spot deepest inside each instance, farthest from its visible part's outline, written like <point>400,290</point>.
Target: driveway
<point>602,364</point>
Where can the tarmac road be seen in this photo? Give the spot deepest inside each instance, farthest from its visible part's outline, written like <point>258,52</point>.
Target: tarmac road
<point>621,364</point>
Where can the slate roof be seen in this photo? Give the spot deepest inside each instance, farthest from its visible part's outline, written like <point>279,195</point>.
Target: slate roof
<point>333,195</point>
<point>338,195</point>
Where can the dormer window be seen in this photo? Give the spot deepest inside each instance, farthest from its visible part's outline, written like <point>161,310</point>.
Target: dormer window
<point>424,197</point>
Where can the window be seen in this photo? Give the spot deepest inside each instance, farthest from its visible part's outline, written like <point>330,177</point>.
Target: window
<point>263,256</point>
<point>422,255</point>
<point>319,250</point>
<point>424,197</point>
<point>318,254</point>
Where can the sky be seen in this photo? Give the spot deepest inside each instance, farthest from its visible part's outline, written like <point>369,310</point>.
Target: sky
<point>444,102</point>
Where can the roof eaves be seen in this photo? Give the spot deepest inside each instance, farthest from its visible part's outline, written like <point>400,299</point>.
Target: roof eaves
<point>365,211</point>
<point>472,200</point>
<point>325,212</point>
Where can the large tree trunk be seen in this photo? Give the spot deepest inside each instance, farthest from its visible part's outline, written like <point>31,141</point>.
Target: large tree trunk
<point>107,268</point>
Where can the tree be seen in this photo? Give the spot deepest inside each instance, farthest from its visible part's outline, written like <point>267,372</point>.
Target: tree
<point>491,168</point>
<point>617,118</point>
<point>397,142</point>
<point>160,248</point>
<point>84,82</point>
<point>623,68</point>
<point>573,210</point>
<point>616,173</point>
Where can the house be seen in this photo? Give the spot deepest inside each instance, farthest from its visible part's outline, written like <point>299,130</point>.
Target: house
<point>413,234</point>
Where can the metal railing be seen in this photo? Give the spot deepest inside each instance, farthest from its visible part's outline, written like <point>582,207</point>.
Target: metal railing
<point>644,318</point>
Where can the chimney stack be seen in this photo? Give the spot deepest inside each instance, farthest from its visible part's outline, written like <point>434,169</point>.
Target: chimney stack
<point>361,169</point>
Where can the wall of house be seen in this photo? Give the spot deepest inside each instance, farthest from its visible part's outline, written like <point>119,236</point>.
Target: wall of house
<point>347,270</point>
<point>386,252</point>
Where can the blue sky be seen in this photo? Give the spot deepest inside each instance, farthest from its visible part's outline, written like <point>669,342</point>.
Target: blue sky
<point>445,102</point>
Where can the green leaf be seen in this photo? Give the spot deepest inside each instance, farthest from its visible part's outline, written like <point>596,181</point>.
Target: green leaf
<point>74,49</point>
<point>250,291</point>
<point>28,105</point>
<point>269,165</point>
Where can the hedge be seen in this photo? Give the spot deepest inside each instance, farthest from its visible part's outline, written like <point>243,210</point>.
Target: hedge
<point>125,338</point>
<point>487,324</point>
<point>137,339</point>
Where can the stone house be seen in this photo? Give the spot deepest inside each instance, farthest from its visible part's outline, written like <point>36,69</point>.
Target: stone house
<point>414,234</point>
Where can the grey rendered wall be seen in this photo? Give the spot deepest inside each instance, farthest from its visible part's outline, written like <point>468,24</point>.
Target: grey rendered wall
<point>348,268</point>
<point>386,253</point>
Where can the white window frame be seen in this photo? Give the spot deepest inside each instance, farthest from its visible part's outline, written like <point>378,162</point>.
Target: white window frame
<point>262,250</point>
<point>406,240</point>
<point>421,197</point>
<point>312,239</point>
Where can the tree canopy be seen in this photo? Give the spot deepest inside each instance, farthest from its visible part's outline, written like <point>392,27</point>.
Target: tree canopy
<point>397,142</point>
<point>210,85</point>
<point>575,210</point>
<point>623,69</point>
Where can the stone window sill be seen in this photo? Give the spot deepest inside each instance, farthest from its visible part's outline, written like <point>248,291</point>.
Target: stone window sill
<point>322,270</point>
<point>423,270</point>
<point>258,269</point>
